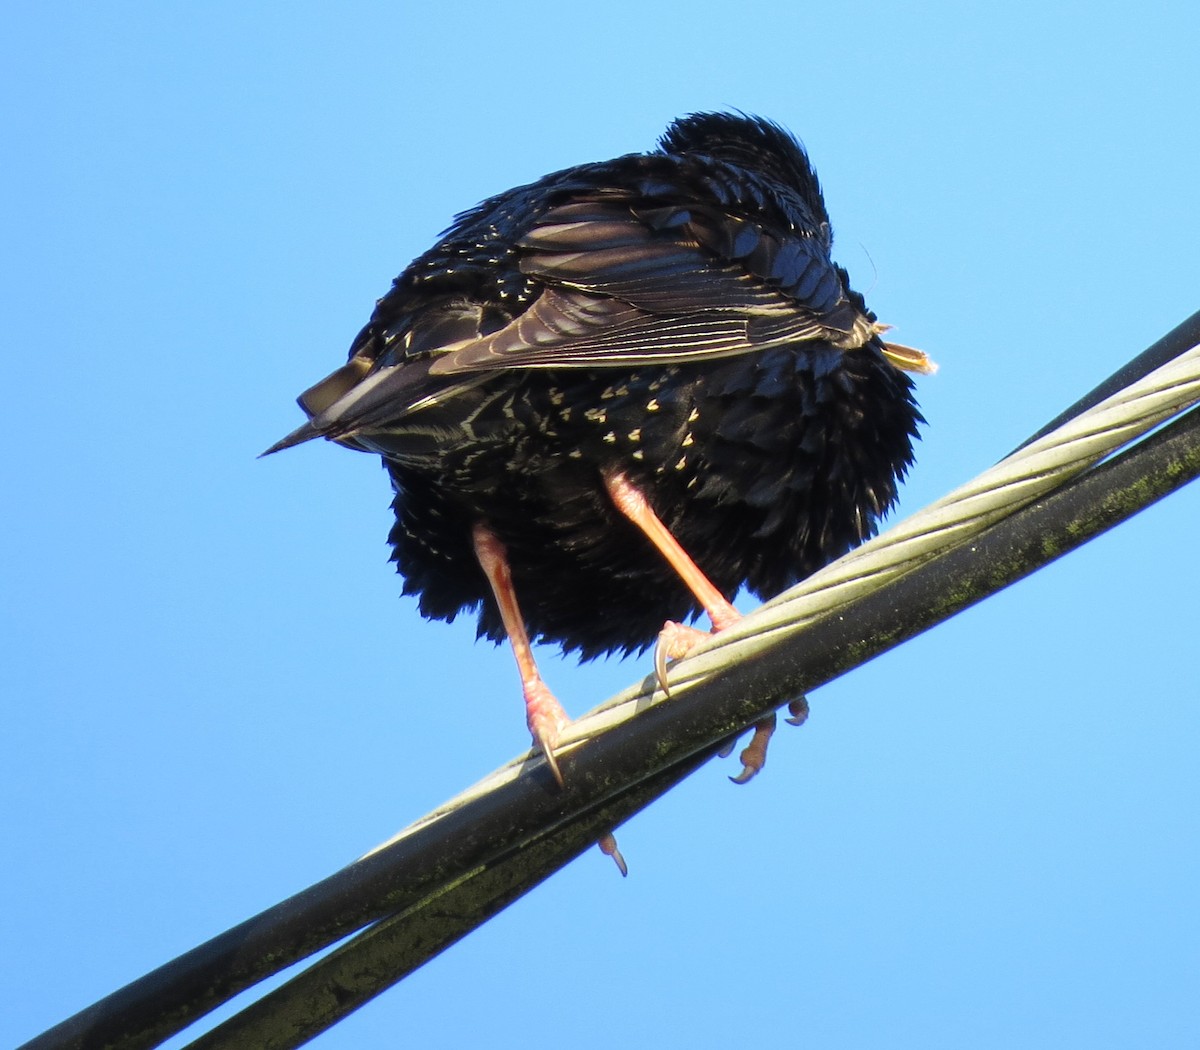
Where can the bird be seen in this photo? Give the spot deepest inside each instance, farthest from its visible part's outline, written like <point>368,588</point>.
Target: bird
<point>610,399</point>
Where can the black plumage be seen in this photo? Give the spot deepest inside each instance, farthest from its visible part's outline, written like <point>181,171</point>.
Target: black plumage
<point>621,393</point>
<point>674,316</point>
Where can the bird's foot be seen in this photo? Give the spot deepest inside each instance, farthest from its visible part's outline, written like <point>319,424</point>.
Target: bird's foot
<point>754,754</point>
<point>546,719</point>
<point>675,640</point>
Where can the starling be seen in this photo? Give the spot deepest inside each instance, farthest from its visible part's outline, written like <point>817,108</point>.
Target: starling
<point>617,395</point>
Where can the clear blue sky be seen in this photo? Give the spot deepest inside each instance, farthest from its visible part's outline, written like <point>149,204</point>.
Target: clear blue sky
<point>214,695</point>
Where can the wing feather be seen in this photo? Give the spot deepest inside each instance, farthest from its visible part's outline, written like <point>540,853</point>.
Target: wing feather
<point>629,284</point>
<point>625,278</point>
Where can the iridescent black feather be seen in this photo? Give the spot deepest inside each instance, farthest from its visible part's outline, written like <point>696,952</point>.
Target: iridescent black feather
<point>673,315</point>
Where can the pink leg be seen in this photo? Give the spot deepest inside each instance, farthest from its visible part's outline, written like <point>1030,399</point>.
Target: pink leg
<point>630,502</point>
<point>543,713</point>
<point>676,639</point>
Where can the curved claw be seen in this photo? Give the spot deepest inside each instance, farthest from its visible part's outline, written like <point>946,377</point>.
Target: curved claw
<point>552,762</point>
<point>675,640</point>
<point>608,846</point>
<point>660,666</point>
<point>799,710</point>
<point>754,755</point>
<point>747,774</point>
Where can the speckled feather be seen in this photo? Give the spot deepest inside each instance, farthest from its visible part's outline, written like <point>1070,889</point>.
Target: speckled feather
<point>673,315</point>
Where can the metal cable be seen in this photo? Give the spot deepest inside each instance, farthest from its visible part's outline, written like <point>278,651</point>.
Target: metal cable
<point>477,827</point>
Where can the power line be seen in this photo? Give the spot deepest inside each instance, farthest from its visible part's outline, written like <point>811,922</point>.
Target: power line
<point>453,869</point>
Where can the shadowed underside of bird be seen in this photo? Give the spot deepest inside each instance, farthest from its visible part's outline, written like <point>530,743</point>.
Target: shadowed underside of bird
<point>615,396</point>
